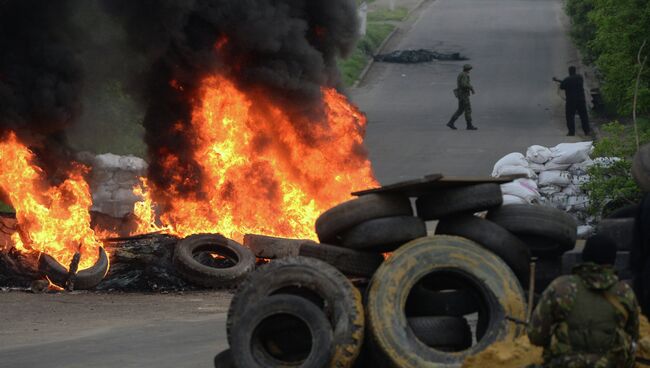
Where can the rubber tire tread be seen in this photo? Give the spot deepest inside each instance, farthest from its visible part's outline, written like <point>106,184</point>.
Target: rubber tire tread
<point>621,231</point>
<point>493,238</point>
<point>224,360</point>
<point>331,223</point>
<point>270,247</point>
<point>350,262</point>
<point>541,222</point>
<point>85,280</point>
<point>641,168</point>
<point>624,212</point>
<point>195,272</point>
<point>397,346</point>
<point>425,302</point>
<point>384,234</point>
<point>245,326</point>
<point>442,332</point>
<point>342,301</point>
<point>461,200</point>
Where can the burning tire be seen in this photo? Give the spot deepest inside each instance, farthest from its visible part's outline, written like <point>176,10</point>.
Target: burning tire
<point>316,281</point>
<point>442,333</point>
<point>84,280</point>
<point>384,234</point>
<point>547,231</point>
<point>336,220</point>
<point>641,168</point>
<point>429,301</point>
<point>272,248</point>
<point>454,201</point>
<point>350,262</point>
<point>492,237</point>
<point>224,360</point>
<point>465,263</point>
<point>255,340</point>
<point>190,268</point>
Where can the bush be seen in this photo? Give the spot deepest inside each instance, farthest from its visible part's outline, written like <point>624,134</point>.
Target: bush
<point>611,187</point>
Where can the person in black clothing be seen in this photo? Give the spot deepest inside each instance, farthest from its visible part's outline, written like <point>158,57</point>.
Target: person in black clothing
<point>573,86</point>
<point>640,255</point>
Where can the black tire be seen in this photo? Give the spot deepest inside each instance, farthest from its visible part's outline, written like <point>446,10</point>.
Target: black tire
<point>424,301</point>
<point>448,257</point>
<point>641,168</point>
<point>454,201</point>
<point>492,237</point>
<point>624,212</point>
<point>621,231</point>
<point>255,347</point>
<point>317,281</point>
<point>442,333</point>
<point>547,231</point>
<point>384,234</point>
<point>194,271</point>
<point>350,262</point>
<point>272,248</point>
<point>224,360</point>
<point>85,279</point>
<point>336,220</point>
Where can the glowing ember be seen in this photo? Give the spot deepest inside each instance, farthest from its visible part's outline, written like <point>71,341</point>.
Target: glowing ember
<point>260,172</point>
<point>51,219</point>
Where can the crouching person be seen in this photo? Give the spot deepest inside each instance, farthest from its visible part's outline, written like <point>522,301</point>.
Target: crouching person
<point>589,318</point>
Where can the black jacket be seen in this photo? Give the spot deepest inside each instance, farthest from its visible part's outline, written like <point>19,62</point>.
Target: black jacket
<point>573,85</point>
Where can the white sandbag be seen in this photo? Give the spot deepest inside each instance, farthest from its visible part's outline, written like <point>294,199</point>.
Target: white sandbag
<point>510,199</point>
<point>559,178</point>
<point>515,170</point>
<point>125,196</point>
<point>559,200</point>
<point>537,168</point>
<point>585,231</point>
<point>571,153</point>
<point>525,189</point>
<point>578,203</point>
<point>538,154</point>
<point>572,190</point>
<point>579,180</point>
<point>132,163</point>
<point>511,159</point>
<point>107,161</point>
<point>581,168</point>
<point>552,166</point>
<point>606,161</point>
<point>548,190</point>
<point>101,194</point>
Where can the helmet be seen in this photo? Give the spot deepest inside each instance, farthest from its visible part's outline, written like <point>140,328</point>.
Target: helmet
<point>467,67</point>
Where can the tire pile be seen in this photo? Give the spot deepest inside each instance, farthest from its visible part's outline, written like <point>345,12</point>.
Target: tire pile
<point>431,303</point>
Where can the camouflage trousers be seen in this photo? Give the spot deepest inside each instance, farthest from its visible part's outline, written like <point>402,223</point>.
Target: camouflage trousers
<point>464,106</point>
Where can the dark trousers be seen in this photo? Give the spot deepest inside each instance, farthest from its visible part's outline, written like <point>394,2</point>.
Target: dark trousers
<point>581,109</point>
<point>464,106</point>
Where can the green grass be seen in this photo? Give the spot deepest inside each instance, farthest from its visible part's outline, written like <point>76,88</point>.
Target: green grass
<point>354,64</point>
<point>386,15</point>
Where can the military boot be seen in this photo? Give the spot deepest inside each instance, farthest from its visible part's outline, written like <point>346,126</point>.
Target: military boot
<point>471,127</point>
<point>451,126</point>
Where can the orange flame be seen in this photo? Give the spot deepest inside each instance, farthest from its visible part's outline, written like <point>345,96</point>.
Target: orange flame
<point>51,219</point>
<point>260,172</point>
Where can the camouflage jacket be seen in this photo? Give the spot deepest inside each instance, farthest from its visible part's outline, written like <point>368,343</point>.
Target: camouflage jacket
<point>464,85</point>
<point>552,318</point>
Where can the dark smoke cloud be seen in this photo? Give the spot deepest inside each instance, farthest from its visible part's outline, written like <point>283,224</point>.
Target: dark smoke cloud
<point>288,47</point>
<point>40,76</point>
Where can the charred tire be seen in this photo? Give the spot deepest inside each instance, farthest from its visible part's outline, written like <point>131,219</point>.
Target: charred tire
<point>620,231</point>
<point>255,347</point>
<point>192,270</point>
<point>443,332</point>
<point>384,234</point>
<point>454,201</point>
<point>338,219</point>
<point>272,248</point>
<point>317,281</point>
<point>350,262</point>
<point>449,257</point>
<point>547,231</point>
<point>224,360</point>
<point>492,237</point>
<point>85,279</point>
<point>424,301</point>
<point>641,168</point>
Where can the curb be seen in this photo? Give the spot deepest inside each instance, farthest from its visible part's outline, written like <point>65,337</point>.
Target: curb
<point>371,62</point>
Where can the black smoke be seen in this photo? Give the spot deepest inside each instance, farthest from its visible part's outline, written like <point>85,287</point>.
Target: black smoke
<point>287,47</point>
<point>40,76</point>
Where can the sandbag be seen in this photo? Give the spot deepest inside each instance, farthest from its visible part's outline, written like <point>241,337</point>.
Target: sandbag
<point>538,154</point>
<point>579,180</point>
<point>511,159</point>
<point>537,168</point>
<point>510,200</point>
<point>548,190</point>
<point>555,177</point>
<point>581,168</point>
<point>515,170</point>
<point>571,153</point>
<point>552,166</point>
<point>572,190</point>
<point>525,189</point>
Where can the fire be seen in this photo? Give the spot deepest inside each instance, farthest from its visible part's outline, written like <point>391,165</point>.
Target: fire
<point>261,173</point>
<point>51,219</point>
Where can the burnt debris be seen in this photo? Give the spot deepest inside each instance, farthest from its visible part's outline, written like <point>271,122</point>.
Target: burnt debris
<point>418,56</point>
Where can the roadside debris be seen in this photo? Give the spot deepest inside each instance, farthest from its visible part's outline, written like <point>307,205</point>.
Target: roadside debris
<point>417,56</point>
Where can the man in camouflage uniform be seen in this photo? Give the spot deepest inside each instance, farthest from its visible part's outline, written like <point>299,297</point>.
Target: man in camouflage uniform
<point>588,319</point>
<point>462,93</point>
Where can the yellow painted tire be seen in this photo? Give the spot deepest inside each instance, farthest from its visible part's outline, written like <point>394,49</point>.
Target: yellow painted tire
<point>454,257</point>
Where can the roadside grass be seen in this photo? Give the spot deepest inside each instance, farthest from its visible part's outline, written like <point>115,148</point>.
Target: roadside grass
<point>386,15</point>
<point>351,67</point>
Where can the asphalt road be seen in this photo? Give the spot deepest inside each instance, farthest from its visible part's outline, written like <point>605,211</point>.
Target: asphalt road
<point>515,46</point>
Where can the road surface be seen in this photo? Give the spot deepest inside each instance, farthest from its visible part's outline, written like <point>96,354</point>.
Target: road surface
<point>515,46</point>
